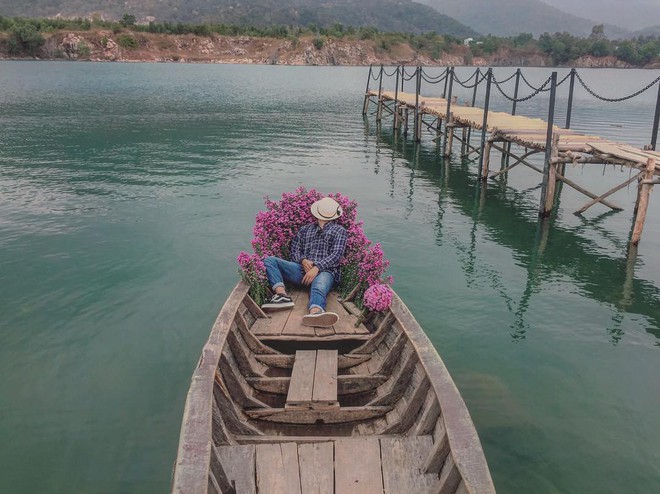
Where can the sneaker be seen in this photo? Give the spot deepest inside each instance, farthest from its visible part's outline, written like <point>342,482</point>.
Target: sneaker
<point>320,319</point>
<point>278,301</point>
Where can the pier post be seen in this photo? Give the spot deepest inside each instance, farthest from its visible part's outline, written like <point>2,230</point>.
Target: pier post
<point>484,125</point>
<point>365,106</point>
<point>474,102</point>
<point>418,117</point>
<point>403,76</point>
<point>643,192</point>
<point>656,121</point>
<point>505,156</point>
<point>444,90</point>
<point>396,100</point>
<point>379,111</point>
<point>448,124</point>
<point>549,171</point>
<point>569,109</point>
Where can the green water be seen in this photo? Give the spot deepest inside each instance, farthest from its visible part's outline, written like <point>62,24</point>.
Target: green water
<point>126,191</point>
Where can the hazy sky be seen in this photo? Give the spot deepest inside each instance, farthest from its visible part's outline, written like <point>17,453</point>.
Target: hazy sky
<point>631,14</point>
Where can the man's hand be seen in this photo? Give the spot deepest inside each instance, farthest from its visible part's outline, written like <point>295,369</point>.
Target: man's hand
<point>310,275</point>
<point>307,265</point>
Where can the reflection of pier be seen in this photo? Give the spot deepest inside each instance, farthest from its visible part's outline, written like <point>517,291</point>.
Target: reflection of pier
<point>502,131</point>
<point>547,249</point>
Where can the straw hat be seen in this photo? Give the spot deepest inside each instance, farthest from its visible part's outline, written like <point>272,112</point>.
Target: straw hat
<point>326,209</point>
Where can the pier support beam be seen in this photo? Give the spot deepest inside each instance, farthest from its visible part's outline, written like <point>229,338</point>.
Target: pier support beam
<point>642,204</point>
<point>551,183</point>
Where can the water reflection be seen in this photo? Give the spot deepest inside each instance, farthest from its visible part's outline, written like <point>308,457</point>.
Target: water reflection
<point>548,249</point>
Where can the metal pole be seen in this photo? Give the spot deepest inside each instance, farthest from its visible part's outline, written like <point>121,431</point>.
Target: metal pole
<point>366,93</point>
<point>569,110</point>
<point>418,84</point>
<point>484,124</point>
<point>656,121</point>
<point>548,142</point>
<point>444,91</point>
<point>379,113</point>
<point>450,76</point>
<point>515,92</point>
<point>396,99</point>
<point>474,99</point>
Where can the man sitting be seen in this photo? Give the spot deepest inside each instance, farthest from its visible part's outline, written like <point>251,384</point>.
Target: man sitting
<point>315,253</point>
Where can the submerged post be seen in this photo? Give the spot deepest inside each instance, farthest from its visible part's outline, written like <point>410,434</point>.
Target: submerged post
<point>484,125</point>
<point>656,121</point>
<point>644,190</point>
<point>396,100</point>
<point>366,93</point>
<point>547,191</point>
<point>379,111</point>
<point>418,117</point>
<point>448,124</point>
<point>569,110</point>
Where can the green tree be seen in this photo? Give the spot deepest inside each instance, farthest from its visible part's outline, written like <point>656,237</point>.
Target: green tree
<point>127,20</point>
<point>25,38</point>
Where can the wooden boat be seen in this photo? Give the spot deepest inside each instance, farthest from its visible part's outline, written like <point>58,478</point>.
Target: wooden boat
<point>277,407</point>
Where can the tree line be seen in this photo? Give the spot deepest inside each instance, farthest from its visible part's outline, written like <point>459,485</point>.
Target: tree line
<point>26,36</point>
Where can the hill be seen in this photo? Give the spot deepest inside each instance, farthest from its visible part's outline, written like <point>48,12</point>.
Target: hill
<point>386,15</point>
<point>631,14</point>
<point>511,17</point>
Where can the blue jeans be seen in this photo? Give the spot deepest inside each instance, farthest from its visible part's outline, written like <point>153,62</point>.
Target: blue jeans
<point>279,270</point>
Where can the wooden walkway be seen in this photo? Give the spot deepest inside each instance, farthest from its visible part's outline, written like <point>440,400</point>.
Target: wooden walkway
<point>531,135</point>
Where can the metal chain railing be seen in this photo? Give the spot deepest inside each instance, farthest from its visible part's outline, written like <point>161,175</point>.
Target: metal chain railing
<point>435,80</point>
<point>615,100</point>
<point>390,75</point>
<point>528,97</point>
<point>472,86</point>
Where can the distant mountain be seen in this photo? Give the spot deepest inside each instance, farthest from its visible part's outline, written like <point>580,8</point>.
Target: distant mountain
<point>648,31</point>
<point>511,17</point>
<point>630,14</point>
<point>386,15</point>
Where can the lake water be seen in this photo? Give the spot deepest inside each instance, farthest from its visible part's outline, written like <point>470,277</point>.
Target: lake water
<point>127,190</point>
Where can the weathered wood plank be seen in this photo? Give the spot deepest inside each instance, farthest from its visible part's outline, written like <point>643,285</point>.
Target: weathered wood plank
<point>250,339</point>
<point>239,464</point>
<point>230,416</point>
<point>393,356</point>
<point>277,321</point>
<point>429,416</point>
<point>346,323</point>
<point>346,385</point>
<point>438,454</point>
<point>358,466</point>
<point>412,409</point>
<point>378,336</point>
<point>398,383</point>
<point>302,378</point>
<point>314,338</point>
<point>294,326</point>
<point>241,393</point>
<point>316,468</point>
<point>277,468</point>
<point>219,475</point>
<point>254,309</point>
<point>286,361</point>
<point>403,459</point>
<point>325,377</point>
<point>327,416</point>
<point>450,478</point>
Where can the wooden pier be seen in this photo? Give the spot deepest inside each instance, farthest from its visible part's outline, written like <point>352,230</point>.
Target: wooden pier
<point>518,137</point>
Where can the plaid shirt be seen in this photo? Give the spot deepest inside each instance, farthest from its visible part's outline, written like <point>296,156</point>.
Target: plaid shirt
<point>323,246</point>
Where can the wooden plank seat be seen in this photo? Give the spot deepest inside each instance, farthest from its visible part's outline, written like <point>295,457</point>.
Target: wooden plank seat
<point>313,380</point>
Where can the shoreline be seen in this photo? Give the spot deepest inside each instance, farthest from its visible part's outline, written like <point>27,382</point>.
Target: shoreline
<point>137,47</point>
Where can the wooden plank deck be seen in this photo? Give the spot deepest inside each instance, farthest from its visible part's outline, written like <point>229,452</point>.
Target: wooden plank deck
<point>287,324</point>
<point>382,465</point>
<point>526,131</point>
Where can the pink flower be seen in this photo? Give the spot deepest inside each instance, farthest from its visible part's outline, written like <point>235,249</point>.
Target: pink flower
<point>378,297</point>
